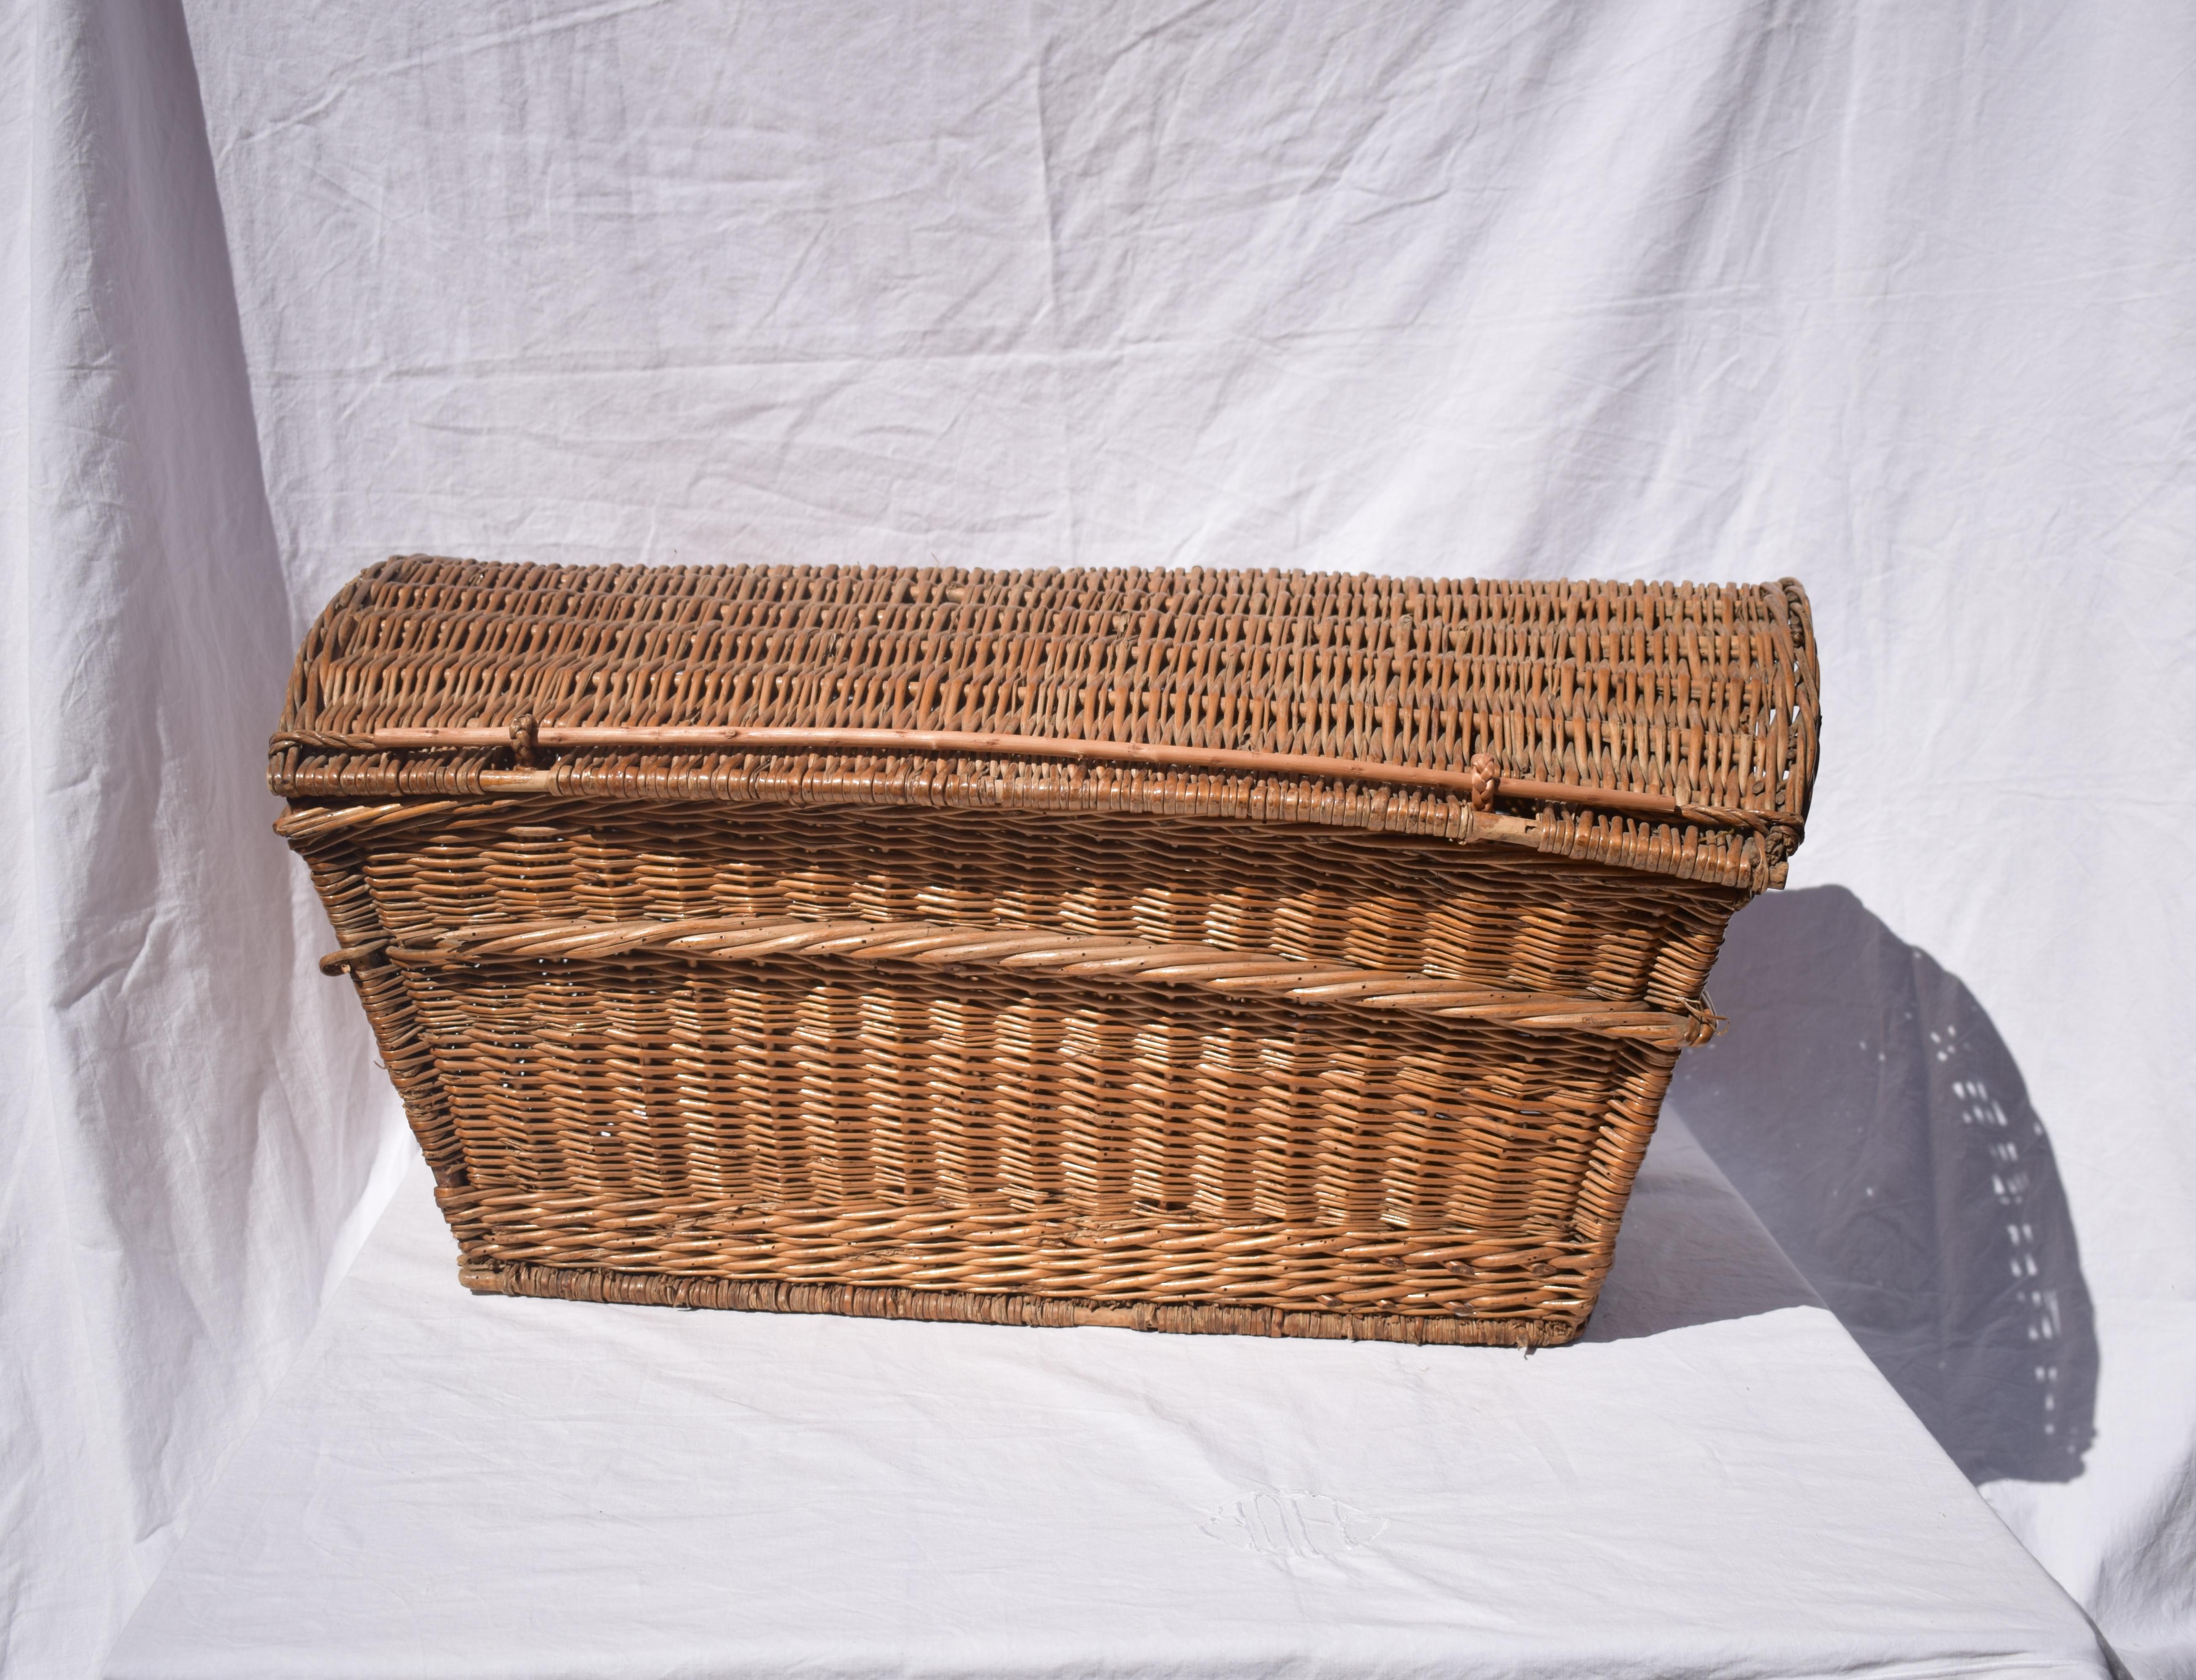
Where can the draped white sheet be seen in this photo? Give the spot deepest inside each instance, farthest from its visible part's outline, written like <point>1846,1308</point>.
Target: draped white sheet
<point>191,1122</point>
<point>1894,298</point>
<point>1713,1481</point>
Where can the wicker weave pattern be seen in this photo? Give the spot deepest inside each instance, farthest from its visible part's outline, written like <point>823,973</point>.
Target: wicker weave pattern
<point>986,1038</point>
<point>1706,694</point>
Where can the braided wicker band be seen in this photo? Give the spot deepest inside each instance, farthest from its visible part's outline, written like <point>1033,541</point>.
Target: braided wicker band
<point>1482,784</point>
<point>745,939</point>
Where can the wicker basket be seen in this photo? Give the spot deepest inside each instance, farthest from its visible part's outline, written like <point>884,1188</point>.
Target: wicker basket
<point>1257,952</point>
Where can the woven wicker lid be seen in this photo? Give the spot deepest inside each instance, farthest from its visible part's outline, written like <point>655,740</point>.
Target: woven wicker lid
<point>1701,697</point>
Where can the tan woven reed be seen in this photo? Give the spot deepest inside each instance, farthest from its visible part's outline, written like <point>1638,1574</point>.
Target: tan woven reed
<point>1290,955</point>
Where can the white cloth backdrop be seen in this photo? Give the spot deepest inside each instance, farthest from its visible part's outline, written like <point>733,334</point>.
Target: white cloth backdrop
<point>191,1123</point>
<point>1895,298</point>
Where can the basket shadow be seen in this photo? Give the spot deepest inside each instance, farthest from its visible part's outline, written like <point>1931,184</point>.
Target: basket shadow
<point>1690,1250</point>
<point>1866,1108</point>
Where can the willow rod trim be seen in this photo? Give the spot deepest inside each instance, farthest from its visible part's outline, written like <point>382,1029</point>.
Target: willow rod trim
<point>1482,784</point>
<point>1049,950</point>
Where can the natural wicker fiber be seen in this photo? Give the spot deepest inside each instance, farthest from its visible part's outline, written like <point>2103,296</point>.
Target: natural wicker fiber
<point>1241,951</point>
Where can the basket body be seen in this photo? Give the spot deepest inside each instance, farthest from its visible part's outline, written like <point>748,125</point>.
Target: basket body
<point>1009,1037</point>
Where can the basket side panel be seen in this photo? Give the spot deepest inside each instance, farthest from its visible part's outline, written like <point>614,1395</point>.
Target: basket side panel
<point>1090,1144</point>
<point>339,878</point>
<point>1504,918</point>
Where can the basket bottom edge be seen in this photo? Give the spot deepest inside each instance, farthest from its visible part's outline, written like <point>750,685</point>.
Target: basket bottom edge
<point>649,1289</point>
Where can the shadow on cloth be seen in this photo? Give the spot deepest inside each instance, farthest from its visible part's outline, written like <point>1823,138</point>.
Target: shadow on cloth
<point>1690,1250</point>
<point>1864,1104</point>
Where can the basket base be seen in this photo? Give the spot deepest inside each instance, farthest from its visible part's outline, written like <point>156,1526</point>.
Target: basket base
<point>651,1288</point>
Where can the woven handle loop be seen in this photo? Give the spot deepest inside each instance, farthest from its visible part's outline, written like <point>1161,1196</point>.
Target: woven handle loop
<point>350,957</point>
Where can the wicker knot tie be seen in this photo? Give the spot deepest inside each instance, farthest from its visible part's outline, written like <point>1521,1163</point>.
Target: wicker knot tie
<point>526,740</point>
<point>1490,779</point>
